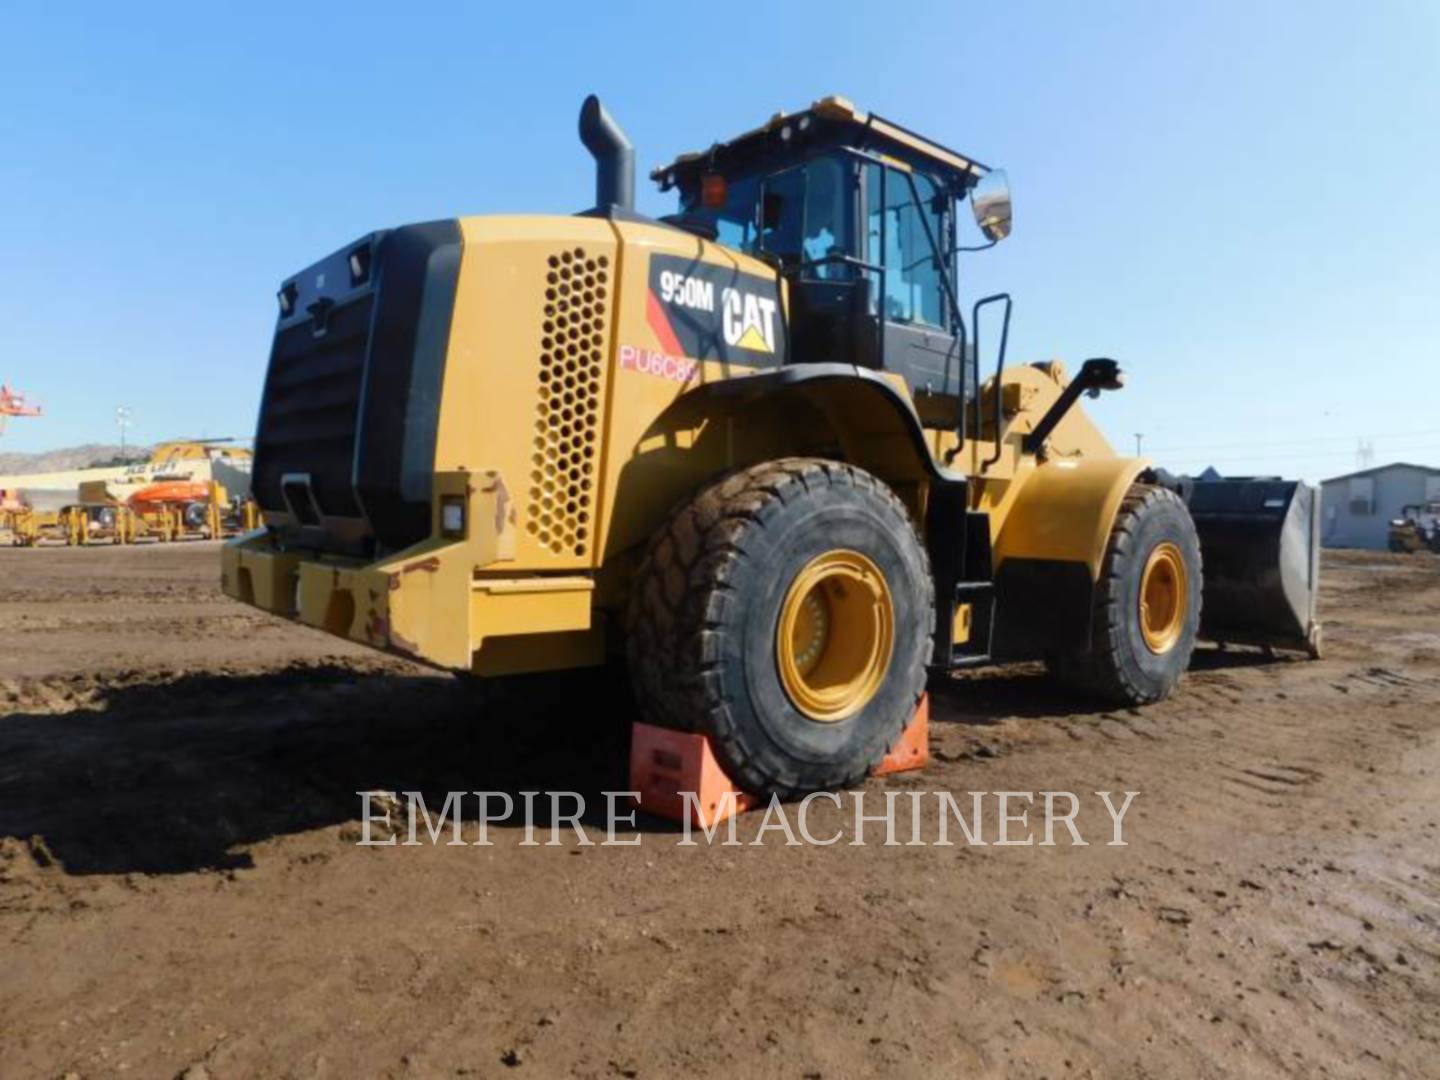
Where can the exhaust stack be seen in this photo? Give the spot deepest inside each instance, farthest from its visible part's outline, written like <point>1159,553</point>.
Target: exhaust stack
<point>614,158</point>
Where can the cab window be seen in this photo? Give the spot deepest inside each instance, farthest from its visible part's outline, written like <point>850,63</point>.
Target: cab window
<point>826,232</point>
<point>897,239</point>
<point>804,220</point>
<point>735,221</point>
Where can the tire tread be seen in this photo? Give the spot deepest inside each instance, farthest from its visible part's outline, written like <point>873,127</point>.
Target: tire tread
<point>693,567</point>
<point>1099,671</point>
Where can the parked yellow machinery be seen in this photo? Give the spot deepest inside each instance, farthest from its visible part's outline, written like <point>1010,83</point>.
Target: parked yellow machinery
<point>75,524</point>
<point>17,526</point>
<point>241,516</point>
<point>14,516</point>
<point>1416,529</point>
<point>94,522</point>
<point>182,510</point>
<point>157,513</point>
<point>749,447</point>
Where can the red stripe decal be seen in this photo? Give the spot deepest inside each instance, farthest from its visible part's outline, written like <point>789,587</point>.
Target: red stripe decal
<point>660,323</point>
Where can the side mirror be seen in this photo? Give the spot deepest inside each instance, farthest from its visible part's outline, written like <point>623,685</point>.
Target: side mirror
<point>990,200</point>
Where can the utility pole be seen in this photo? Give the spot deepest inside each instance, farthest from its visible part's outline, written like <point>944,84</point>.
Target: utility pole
<point>122,421</point>
<point>1365,453</point>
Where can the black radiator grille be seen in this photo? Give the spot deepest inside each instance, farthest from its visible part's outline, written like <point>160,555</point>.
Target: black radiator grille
<point>310,412</point>
<point>352,397</point>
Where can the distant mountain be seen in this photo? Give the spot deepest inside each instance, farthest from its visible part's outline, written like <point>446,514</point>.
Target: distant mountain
<point>91,455</point>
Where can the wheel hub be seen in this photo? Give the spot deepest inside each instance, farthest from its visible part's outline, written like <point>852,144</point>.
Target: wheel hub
<point>835,635</point>
<point>1164,598</point>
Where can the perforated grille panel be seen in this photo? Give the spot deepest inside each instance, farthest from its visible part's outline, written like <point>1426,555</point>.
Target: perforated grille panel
<point>567,415</point>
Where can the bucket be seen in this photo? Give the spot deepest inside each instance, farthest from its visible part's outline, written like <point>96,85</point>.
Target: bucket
<point>1260,545</point>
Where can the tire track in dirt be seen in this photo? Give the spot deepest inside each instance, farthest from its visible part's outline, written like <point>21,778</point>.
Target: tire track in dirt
<point>179,883</point>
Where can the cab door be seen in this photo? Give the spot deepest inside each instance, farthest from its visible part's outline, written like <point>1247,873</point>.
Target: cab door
<point>909,223</point>
<point>809,225</point>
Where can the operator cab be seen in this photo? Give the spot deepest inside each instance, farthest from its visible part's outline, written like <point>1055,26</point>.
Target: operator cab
<point>859,215</point>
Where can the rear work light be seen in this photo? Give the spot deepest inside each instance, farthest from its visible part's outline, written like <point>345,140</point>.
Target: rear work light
<point>452,517</point>
<point>287,297</point>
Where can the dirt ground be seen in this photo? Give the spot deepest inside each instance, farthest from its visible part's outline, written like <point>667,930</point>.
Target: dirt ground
<point>181,892</point>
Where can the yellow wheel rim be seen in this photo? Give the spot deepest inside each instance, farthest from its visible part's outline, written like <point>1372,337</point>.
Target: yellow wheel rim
<point>835,635</point>
<point>1164,598</point>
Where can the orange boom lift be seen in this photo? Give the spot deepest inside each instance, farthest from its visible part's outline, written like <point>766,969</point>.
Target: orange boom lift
<point>13,404</point>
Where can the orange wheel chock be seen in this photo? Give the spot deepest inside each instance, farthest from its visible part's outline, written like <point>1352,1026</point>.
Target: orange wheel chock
<point>665,763</point>
<point>912,750</point>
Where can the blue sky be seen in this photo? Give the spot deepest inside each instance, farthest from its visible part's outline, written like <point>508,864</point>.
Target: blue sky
<point>1236,200</point>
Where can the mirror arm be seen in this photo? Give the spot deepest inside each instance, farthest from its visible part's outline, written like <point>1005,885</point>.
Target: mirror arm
<point>1095,375</point>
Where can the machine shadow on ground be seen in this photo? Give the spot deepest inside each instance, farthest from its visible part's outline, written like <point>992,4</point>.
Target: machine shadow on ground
<point>988,696</point>
<point>180,775</point>
<point>1213,658</point>
<point>177,776</point>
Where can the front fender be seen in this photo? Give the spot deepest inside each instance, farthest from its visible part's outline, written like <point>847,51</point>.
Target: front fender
<point>1049,552</point>
<point>1064,510</point>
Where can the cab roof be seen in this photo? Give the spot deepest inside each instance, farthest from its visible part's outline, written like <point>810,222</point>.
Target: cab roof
<point>831,121</point>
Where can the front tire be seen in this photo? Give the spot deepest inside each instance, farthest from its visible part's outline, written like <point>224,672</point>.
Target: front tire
<point>786,612</point>
<point>1146,608</point>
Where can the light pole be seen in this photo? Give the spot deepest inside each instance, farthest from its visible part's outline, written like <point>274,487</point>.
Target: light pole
<point>122,421</point>
<point>1139,439</point>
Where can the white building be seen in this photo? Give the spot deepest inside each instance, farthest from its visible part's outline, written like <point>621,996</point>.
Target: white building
<point>1356,509</point>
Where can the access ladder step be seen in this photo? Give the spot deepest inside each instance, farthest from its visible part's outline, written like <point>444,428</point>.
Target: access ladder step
<point>978,598</point>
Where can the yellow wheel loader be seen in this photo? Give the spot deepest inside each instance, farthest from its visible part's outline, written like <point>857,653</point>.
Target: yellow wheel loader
<point>749,447</point>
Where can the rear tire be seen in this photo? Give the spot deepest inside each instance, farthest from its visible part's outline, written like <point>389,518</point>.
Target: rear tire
<point>730,569</point>
<point>1139,651</point>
